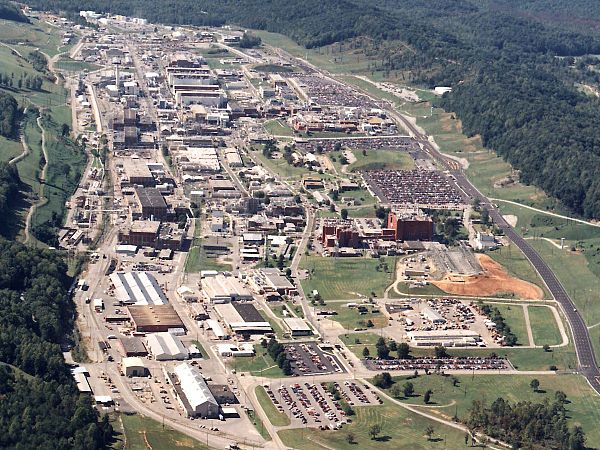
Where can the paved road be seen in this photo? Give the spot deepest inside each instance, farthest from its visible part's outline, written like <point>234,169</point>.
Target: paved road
<point>583,344</point>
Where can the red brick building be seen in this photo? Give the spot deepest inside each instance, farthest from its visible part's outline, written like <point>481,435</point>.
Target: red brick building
<point>410,226</point>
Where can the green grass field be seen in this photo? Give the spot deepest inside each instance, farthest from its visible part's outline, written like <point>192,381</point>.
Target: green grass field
<point>400,429</point>
<point>66,162</point>
<point>197,258</point>
<point>9,148</point>
<point>143,433</point>
<point>277,418</point>
<point>584,408</point>
<point>382,159</point>
<point>278,128</point>
<point>258,424</point>
<point>516,264</point>
<point>543,326</point>
<point>259,365</point>
<point>356,342</point>
<point>346,278</point>
<point>350,318</point>
<point>72,65</point>
<point>27,37</point>
<point>284,170</point>
<point>515,319</point>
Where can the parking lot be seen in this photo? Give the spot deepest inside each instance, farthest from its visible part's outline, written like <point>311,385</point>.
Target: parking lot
<point>320,404</point>
<point>308,359</point>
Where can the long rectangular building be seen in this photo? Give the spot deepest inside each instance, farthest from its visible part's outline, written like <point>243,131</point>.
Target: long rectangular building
<point>154,318</point>
<point>222,289</point>
<point>193,392</point>
<point>137,288</point>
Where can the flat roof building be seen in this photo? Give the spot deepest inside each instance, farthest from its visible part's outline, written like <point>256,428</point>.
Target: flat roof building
<point>137,172</point>
<point>132,346</point>
<point>152,203</point>
<point>297,326</point>
<point>446,338</point>
<point>143,233</point>
<point>154,318</point>
<point>222,289</point>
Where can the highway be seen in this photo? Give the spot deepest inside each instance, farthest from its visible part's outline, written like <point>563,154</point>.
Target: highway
<point>583,344</point>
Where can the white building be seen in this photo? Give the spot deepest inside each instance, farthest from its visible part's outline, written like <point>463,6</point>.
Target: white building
<point>244,349</point>
<point>222,289</point>
<point>193,393</point>
<point>166,347</point>
<point>137,288</point>
<point>134,367</point>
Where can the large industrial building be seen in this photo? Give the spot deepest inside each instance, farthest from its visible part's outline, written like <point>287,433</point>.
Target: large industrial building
<point>154,318</point>
<point>193,393</point>
<point>223,289</point>
<point>137,288</point>
<point>166,347</point>
<point>152,204</point>
<point>143,233</point>
<point>446,338</point>
<point>243,318</point>
<point>137,172</point>
<point>410,226</point>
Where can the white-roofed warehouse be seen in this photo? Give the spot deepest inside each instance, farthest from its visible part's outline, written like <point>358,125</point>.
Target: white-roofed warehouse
<point>165,347</point>
<point>193,393</point>
<point>138,288</point>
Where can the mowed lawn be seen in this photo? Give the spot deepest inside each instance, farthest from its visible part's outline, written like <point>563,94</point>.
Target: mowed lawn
<point>277,418</point>
<point>346,278</point>
<point>583,409</point>
<point>259,365</point>
<point>543,326</point>
<point>350,318</point>
<point>515,319</point>
<point>512,259</point>
<point>9,148</point>
<point>400,429</point>
<point>143,433</point>
<point>382,159</point>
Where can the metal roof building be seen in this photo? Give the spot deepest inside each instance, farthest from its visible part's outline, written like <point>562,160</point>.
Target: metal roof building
<point>222,289</point>
<point>193,393</point>
<point>165,347</point>
<point>137,288</point>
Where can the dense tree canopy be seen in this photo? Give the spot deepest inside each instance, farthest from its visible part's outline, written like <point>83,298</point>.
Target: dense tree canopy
<point>41,407</point>
<point>527,425</point>
<point>9,11</point>
<point>9,115</point>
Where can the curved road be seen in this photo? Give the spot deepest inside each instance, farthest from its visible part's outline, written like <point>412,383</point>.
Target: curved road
<point>583,344</point>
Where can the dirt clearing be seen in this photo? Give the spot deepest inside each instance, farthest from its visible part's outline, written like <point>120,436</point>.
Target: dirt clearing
<point>495,280</point>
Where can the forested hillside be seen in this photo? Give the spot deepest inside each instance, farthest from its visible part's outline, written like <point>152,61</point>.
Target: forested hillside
<point>8,11</point>
<point>513,65</point>
<point>41,407</point>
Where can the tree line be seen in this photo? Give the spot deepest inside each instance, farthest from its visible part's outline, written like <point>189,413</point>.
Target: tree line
<point>9,115</point>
